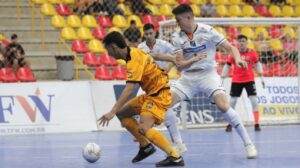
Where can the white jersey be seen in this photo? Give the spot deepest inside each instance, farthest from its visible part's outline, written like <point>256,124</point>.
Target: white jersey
<point>205,39</point>
<point>160,47</point>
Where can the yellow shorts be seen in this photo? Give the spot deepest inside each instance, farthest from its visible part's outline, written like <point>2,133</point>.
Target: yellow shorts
<point>155,106</point>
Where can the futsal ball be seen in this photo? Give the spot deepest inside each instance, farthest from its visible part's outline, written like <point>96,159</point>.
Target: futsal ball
<point>91,152</point>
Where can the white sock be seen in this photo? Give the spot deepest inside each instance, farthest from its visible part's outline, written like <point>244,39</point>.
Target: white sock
<point>236,122</point>
<point>170,123</point>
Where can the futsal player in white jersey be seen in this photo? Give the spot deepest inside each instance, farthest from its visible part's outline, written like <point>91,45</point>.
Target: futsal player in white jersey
<point>161,50</point>
<point>192,42</point>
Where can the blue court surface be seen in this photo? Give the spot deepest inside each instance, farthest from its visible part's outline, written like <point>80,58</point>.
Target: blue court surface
<point>278,147</point>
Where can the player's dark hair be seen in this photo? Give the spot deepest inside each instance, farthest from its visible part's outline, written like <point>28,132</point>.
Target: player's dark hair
<point>241,36</point>
<point>148,26</point>
<point>14,36</point>
<point>116,38</point>
<point>182,8</point>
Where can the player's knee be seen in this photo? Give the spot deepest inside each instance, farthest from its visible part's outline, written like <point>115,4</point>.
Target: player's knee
<point>143,129</point>
<point>254,102</point>
<point>125,122</point>
<point>222,102</point>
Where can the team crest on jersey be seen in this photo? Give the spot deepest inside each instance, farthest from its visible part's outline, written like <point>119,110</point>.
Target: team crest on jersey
<point>193,43</point>
<point>149,105</point>
<point>129,74</point>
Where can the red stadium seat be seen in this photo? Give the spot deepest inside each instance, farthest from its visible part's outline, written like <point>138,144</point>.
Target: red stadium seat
<point>5,43</point>
<point>149,19</point>
<point>79,46</point>
<point>276,69</point>
<point>266,70</point>
<point>104,21</point>
<point>161,18</point>
<point>187,2</point>
<point>103,73</point>
<point>63,10</point>
<point>99,33</point>
<point>275,31</point>
<point>119,73</point>
<point>7,75</point>
<point>108,60</point>
<point>25,74</point>
<point>262,10</point>
<point>232,32</point>
<point>91,59</point>
<point>290,69</point>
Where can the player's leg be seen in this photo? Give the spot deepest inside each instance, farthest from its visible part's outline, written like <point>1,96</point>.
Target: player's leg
<point>170,123</point>
<point>153,112</point>
<point>251,91</point>
<point>235,92</point>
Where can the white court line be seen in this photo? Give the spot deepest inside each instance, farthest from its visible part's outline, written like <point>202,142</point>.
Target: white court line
<point>40,157</point>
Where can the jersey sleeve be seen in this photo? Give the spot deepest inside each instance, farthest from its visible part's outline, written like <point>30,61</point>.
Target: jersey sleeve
<point>135,69</point>
<point>230,60</point>
<point>169,48</point>
<point>176,43</point>
<point>216,37</point>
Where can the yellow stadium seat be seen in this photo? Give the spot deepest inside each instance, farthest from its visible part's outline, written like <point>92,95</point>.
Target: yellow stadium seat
<point>297,11</point>
<point>261,30</point>
<point>247,31</point>
<point>222,10</point>
<point>250,45</point>
<point>235,11</point>
<point>155,2</point>
<point>2,37</point>
<point>58,21</point>
<point>115,29</point>
<point>165,10</point>
<point>287,11</point>
<point>96,46</point>
<point>74,21</point>
<point>275,11</point>
<point>290,31</point>
<point>119,21</point>
<point>54,1</point>
<point>68,1</point>
<point>197,2</point>
<point>248,11</point>
<point>196,10</point>
<point>153,9</point>
<point>89,21</point>
<point>137,20</point>
<point>68,33</point>
<point>48,9</point>
<point>236,2</point>
<point>296,2</point>
<point>170,2</point>
<point>39,1</point>
<point>220,2</point>
<point>84,33</point>
<point>276,45</point>
<point>125,8</point>
<point>221,30</point>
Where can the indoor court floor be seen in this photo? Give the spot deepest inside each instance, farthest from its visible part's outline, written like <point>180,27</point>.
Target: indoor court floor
<point>278,147</point>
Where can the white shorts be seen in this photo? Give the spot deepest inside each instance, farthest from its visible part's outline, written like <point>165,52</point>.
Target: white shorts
<point>191,83</point>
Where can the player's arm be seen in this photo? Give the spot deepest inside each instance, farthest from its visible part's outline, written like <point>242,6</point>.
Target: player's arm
<point>234,52</point>
<point>225,70</point>
<point>128,90</point>
<point>181,63</point>
<point>163,57</point>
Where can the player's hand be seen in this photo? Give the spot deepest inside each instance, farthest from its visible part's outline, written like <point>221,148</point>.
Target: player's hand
<point>106,118</point>
<point>241,64</point>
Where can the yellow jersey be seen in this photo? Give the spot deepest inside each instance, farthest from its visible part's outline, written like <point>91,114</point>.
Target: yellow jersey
<point>142,69</point>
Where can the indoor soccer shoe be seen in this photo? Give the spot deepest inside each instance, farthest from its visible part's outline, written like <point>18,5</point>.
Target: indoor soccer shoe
<point>251,151</point>
<point>257,127</point>
<point>171,161</point>
<point>228,128</point>
<point>144,152</point>
<point>180,148</point>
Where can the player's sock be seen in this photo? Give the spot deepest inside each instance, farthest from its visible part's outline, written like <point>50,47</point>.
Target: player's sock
<point>160,141</point>
<point>170,123</point>
<point>132,126</point>
<point>236,122</point>
<point>256,117</point>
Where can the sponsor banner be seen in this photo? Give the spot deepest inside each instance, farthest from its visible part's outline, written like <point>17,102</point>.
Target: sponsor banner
<point>46,107</point>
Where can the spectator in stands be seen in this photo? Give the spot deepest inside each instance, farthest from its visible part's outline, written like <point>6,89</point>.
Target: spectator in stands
<point>208,9</point>
<point>252,2</point>
<point>290,48</point>
<point>263,49</point>
<point>15,54</point>
<point>3,61</point>
<point>138,7</point>
<point>81,6</point>
<point>278,2</point>
<point>111,7</point>
<point>133,35</point>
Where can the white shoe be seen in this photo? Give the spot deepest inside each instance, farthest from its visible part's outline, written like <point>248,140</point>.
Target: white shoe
<point>251,151</point>
<point>180,148</point>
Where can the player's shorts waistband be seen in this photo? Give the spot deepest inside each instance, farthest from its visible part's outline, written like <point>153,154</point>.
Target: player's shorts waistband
<point>155,94</point>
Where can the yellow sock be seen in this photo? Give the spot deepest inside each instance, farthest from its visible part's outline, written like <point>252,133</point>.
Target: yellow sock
<point>132,126</point>
<point>160,141</point>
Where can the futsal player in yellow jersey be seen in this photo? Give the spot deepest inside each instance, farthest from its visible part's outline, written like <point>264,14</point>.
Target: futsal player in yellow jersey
<point>151,106</point>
